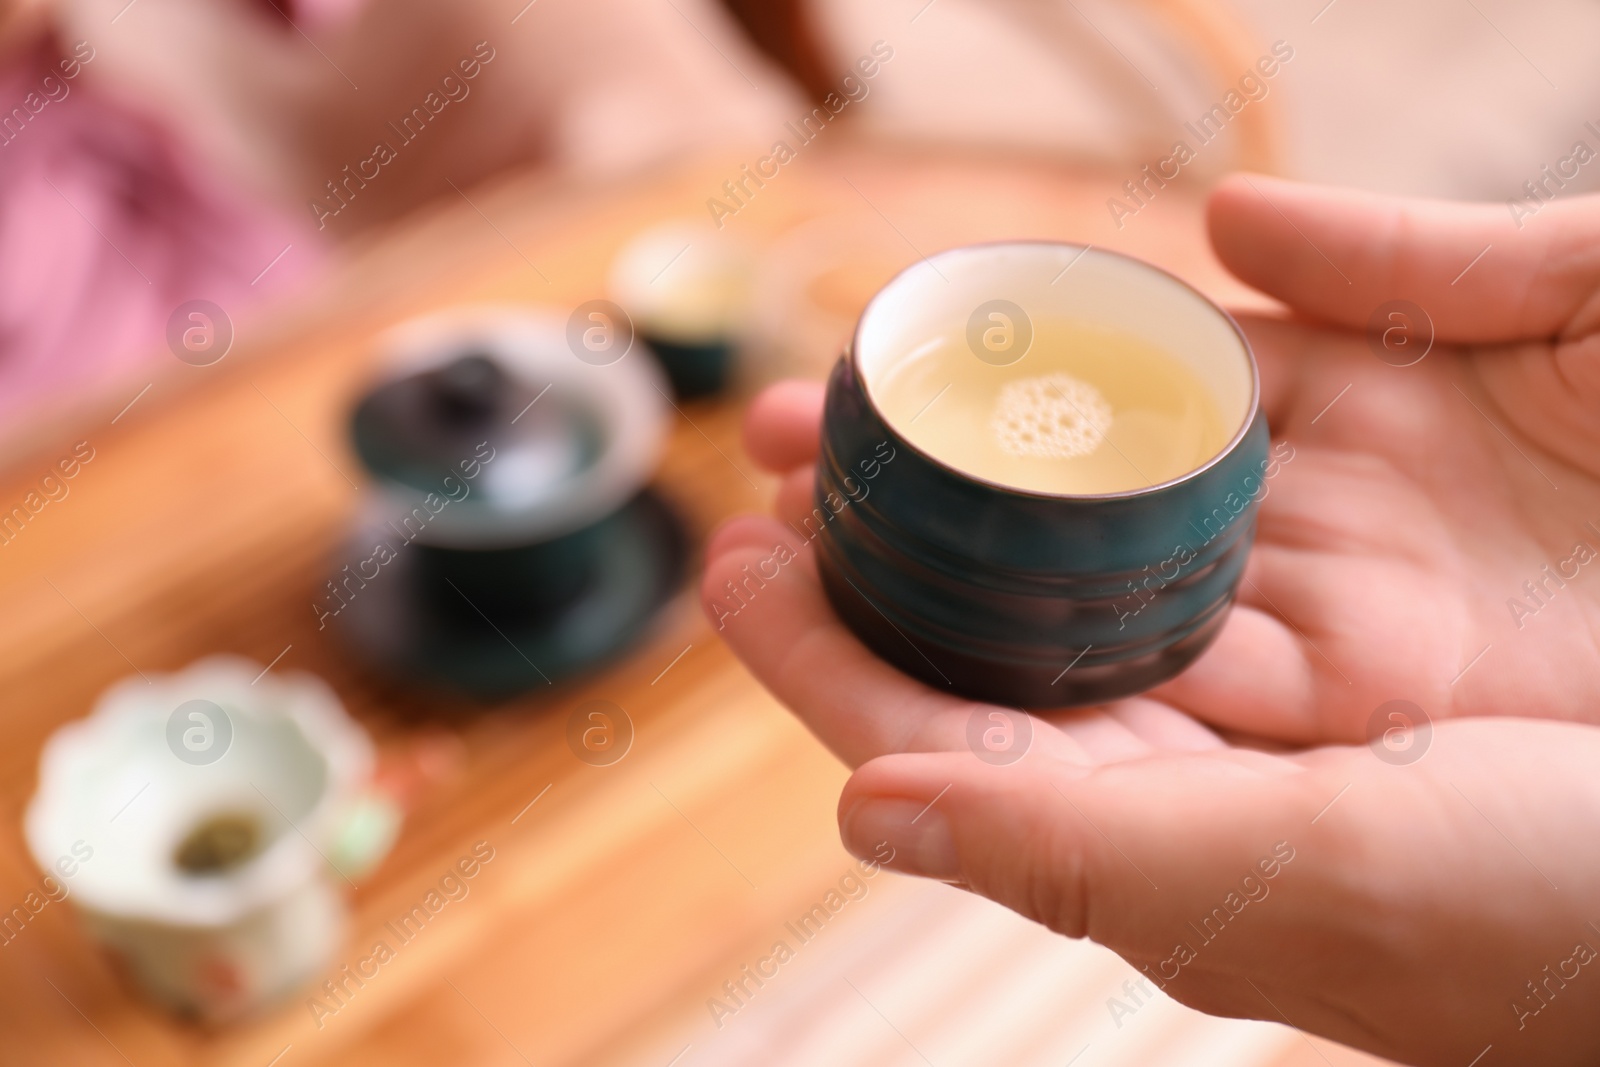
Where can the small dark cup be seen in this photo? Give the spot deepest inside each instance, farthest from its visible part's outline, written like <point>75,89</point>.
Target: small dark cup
<point>1015,596</point>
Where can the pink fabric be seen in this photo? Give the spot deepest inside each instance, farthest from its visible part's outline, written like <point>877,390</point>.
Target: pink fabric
<point>106,226</point>
<point>318,13</point>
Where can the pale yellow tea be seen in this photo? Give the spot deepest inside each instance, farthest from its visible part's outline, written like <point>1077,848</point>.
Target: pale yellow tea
<point>1086,410</point>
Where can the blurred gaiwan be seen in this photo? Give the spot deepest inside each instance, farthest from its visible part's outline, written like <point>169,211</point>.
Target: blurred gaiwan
<point>687,290</point>
<point>213,814</point>
<point>510,537</point>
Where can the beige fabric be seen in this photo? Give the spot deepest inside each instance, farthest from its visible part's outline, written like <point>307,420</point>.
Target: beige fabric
<point>1440,97</point>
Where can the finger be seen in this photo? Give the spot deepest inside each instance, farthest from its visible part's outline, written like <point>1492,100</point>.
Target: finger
<point>783,426</point>
<point>1126,854</point>
<point>1135,728</point>
<point>1338,254</point>
<point>1300,365</point>
<point>762,595</point>
<point>1222,866</point>
<point>1163,727</point>
<point>1280,350</point>
<point>797,499</point>
<point>1131,729</point>
<point>741,531</point>
<point>1255,679</point>
<point>1202,867</point>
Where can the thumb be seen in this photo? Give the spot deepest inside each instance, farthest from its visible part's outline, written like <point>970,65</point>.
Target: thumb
<point>1398,908</point>
<point>1168,861</point>
<point>1125,854</point>
<point>1483,273</point>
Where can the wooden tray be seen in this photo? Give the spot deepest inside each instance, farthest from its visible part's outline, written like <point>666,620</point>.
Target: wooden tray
<point>618,896</point>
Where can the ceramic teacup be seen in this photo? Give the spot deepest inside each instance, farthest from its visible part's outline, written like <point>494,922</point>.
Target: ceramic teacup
<point>510,537</point>
<point>1018,596</point>
<point>205,824</point>
<point>686,291</point>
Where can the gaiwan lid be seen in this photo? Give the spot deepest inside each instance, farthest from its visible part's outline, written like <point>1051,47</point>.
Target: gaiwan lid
<point>490,431</point>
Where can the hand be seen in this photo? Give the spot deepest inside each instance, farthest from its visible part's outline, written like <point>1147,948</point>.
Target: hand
<point>1391,549</point>
<point>1400,909</point>
<point>1367,550</point>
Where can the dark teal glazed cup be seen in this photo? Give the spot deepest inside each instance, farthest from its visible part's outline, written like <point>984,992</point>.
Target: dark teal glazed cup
<point>1020,597</point>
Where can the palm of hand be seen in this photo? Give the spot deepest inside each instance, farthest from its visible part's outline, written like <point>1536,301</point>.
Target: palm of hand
<point>1419,502</point>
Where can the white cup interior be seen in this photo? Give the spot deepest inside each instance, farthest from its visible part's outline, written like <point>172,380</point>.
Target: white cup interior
<point>113,784</point>
<point>936,297</point>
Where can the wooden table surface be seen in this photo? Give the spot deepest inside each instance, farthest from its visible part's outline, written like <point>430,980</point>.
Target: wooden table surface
<point>618,902</point>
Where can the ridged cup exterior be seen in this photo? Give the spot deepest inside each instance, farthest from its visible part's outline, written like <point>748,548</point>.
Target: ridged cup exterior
<point>1019,598</point>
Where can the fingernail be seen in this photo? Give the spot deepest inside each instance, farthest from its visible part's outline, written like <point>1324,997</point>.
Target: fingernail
<point>904,835</point>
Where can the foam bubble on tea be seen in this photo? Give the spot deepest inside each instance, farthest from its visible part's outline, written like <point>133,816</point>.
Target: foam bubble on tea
<point>1086,410</point>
